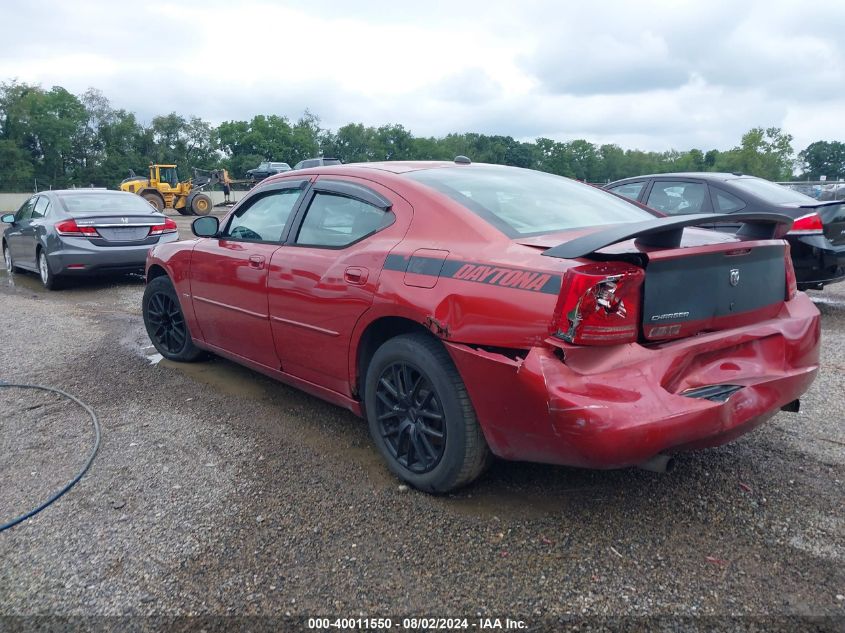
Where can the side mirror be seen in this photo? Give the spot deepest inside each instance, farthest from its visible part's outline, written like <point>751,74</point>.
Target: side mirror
<point>9,218</point>
<point>206,226</point>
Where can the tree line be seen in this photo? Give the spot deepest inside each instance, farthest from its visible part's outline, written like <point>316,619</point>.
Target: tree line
<point>54,139</point>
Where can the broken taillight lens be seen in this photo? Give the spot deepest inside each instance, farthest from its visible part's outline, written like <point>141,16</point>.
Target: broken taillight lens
<point>599,304</point>
<point>791,281</point>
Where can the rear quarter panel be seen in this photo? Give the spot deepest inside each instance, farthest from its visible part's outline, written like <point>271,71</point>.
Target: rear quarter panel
<point>484,289</point>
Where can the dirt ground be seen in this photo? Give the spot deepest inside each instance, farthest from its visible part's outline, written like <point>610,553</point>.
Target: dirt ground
<point>218,492</point>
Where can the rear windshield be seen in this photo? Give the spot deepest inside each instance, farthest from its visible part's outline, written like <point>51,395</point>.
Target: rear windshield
<point>105,202</point>
<point>521,202</point>
<point>771,192</point>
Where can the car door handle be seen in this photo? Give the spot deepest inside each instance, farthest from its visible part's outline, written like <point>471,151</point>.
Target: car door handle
<point>356,275</point>
<point>256,261</point>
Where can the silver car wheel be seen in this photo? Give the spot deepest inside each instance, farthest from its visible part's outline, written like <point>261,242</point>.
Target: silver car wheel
<point>42,267</point>
<point>7,257</point>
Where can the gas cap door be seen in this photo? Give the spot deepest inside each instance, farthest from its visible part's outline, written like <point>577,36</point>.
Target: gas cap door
<point>424,267</point>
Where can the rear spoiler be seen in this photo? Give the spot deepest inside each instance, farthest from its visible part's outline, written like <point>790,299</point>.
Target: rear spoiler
<point>821,203</point>
<point>667,232</point>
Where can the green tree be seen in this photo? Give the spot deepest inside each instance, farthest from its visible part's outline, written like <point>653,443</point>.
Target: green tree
<point>17,173</point>
<point>823,158</point>
<point>584,160</point>
<point>766,153</point>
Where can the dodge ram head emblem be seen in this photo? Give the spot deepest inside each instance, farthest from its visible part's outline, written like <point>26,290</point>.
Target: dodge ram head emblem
<point>734,276</point>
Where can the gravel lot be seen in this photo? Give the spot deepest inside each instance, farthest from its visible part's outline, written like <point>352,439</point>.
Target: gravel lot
<point>220,492</point>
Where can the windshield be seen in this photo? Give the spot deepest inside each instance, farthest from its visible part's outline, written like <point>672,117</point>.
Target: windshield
<point>522,202</point>
<point>105,202</point>
<point>771,192</point>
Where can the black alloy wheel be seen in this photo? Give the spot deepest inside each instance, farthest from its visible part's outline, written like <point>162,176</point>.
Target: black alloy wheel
<point>165,323</point>
<point>169,328</point>
<point>420,415</point>
<point>410,417</point>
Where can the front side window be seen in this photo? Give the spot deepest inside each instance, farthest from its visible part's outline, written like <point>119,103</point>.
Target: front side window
<point>264,219</point>
<point>336,221</point>
<point>630,190</point>
<point>25,212</point>
<point>677,198</point>
<point>522,202</point>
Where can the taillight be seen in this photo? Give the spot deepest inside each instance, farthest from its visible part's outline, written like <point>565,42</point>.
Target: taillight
<point>599,304</point>
<point>70,228</point>
<point>169,226</point>
<point>791,281</point>
<point>810,224</point>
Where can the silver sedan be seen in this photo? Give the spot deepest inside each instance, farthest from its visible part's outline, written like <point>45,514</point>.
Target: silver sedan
<point>77,232</point>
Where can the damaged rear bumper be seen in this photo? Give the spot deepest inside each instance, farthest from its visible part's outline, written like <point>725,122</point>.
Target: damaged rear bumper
<point>618,406</point>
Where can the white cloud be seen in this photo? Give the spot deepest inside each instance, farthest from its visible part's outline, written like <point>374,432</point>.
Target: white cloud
<point>651,75</point>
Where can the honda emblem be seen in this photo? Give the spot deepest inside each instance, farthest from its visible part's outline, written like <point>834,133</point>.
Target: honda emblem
<point>126,221</point>
<point>734,276</point>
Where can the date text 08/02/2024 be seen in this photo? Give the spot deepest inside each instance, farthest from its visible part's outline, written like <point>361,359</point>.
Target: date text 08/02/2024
<point>412,624</point>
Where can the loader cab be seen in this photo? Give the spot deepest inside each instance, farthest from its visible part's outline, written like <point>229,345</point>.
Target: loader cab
<point>164,174</point>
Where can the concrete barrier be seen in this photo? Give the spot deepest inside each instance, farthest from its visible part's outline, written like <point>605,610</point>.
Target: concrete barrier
<point>11,202</point>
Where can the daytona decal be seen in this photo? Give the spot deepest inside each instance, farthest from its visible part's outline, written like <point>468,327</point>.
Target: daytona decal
<point>515,278</point>
<point>507,277</point>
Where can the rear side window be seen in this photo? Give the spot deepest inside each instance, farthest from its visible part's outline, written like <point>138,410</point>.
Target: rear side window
<point>335,221</point>
<point>40,209</point>
<point>725,202</point>
<point>770,192</point>
<point>521,202</point>
<point>833,213</point>
<point>630,190</point>
<point>264,219</point>
<point>677,198</point>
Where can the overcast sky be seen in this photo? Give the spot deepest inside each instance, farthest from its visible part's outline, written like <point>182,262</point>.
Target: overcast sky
<point>648,74</point>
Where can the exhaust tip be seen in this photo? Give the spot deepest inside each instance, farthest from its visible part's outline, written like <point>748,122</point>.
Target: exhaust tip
<point>659,464</point>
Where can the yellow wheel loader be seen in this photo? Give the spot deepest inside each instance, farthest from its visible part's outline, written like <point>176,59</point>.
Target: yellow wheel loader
<point>163,189</point>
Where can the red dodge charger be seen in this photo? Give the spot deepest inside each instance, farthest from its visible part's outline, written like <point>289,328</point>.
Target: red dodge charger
<point>471,310</point>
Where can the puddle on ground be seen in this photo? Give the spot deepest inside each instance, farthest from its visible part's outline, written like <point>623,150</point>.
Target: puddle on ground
<point>493,498</point>
<point>23,281</point>
<point>220,374</point>
<point>106,294</point>
<point>342,437</point>
<point>321,423</point>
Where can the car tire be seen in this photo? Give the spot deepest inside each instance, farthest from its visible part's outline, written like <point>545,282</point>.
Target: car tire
<point>7,259</point>
<point>410,383</point>
<point>200,204</point>
<point>155,200</point>
<point>166,324</point>
<point>49,279</point>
